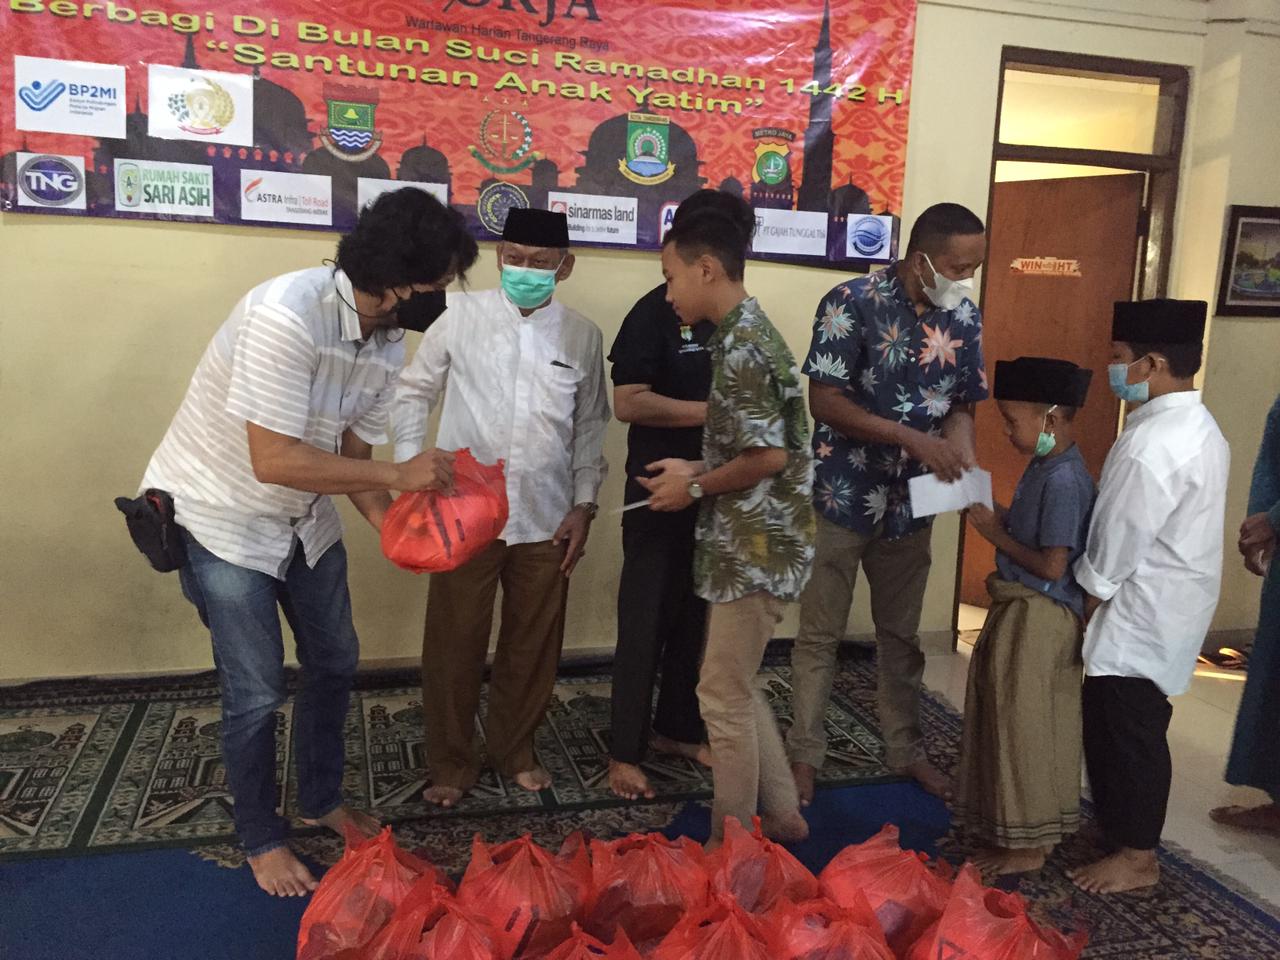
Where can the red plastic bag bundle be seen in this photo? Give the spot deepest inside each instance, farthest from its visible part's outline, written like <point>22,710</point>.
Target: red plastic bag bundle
<point>756,871</point>
<point>583,946</point>
<point>720,931</point>
<point>989,924</point>
<point>357,897</point>
<point>428,532</point>
<point>905,893</point>
<point>822,930</point>
<point>431,925</point>
<point>531,897</point>
<point>644,884</point>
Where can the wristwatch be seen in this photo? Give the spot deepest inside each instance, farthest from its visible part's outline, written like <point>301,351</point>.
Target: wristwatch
<point>591,509</point>
<point>695,489</point>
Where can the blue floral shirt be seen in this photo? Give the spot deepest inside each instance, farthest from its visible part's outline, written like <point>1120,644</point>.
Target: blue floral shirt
<point>868,340</point>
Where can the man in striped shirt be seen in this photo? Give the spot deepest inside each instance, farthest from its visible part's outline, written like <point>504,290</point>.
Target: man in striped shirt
<point>283,411</point>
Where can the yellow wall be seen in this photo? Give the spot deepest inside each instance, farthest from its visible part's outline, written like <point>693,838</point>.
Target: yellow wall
<point>103,322</point>
<point>1234,162</point>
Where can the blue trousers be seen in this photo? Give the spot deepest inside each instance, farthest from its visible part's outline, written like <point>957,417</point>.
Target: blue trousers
<point>239,606</point>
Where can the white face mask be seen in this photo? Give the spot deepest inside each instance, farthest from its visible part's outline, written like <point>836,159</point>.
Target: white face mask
<point>946,294</point>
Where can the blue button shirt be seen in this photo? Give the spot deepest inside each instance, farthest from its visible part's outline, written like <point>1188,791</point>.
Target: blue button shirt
<point>1051,508</point>
<point>869,341</point>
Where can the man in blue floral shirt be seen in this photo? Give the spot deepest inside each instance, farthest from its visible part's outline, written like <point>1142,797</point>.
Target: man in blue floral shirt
<point>895,367</point>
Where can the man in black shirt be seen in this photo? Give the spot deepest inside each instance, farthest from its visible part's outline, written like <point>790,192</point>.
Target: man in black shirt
<point>661,378</point>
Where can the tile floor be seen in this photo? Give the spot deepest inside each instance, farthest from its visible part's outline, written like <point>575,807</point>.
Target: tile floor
<point>1200,738</point>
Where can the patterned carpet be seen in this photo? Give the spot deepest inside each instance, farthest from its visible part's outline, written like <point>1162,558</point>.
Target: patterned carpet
<point>98,767</point>
<point>111,766</point>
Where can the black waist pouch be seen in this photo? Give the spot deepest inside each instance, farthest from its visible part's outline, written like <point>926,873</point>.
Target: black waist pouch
<point>154,531</point>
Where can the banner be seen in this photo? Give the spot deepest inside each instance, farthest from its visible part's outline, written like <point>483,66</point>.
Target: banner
<point>293,113</point>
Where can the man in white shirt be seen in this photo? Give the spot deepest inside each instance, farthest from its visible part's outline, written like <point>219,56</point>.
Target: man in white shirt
<point>526,385</point>
<point>283,410</point>
<point>1151,570</point>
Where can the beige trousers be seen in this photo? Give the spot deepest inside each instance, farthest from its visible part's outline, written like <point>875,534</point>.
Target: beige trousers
<point>748,761</point>
<point>897,571</point>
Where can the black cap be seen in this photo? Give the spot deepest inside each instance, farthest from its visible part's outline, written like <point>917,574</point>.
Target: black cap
<point>536,228</point>
<point>1042,380</point>
<point>1159,321</point>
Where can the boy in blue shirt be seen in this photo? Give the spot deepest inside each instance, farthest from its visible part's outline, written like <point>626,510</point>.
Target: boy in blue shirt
<point>1019,790</point>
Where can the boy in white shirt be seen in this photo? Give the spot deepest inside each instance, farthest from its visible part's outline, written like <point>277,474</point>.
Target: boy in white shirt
<point>1151,570</point>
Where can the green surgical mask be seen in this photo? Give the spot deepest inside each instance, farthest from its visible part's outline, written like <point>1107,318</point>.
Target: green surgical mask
<point>1046,441</point>
<point>528,287</point>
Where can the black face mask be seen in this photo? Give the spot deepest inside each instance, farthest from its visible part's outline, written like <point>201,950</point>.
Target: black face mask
<point>418,311</point>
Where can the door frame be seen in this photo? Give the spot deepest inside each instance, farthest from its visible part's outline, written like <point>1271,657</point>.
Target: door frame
<point>1162,167</point>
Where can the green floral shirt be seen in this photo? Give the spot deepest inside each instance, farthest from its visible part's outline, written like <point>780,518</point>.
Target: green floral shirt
<point>761,538</point>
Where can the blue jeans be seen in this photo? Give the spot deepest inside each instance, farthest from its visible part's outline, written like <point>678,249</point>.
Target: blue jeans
<point>238,605</point>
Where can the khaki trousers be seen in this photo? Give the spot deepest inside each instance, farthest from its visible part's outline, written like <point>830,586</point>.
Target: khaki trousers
<point>897,572</point>
<point>748,762</point>
<point>454,647</point>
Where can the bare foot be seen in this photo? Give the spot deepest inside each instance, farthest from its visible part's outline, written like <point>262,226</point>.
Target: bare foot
<point>363,824</point>
<point>929,777</point>
<point>785,828</point>
<point>697,752</point>
<point>1121,872</point>
<point>442,796</point>
<point>282,874</point>
<point>804,776</point>
<point>628,781</point>
<point>533,780</point>
<point>1264,818</point>
<point>1000,861</point>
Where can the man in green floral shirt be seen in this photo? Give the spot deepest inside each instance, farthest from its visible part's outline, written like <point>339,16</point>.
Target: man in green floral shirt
<point>756,523</point>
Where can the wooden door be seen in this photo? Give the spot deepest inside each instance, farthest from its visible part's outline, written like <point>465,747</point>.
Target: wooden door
<point>1036,303</point>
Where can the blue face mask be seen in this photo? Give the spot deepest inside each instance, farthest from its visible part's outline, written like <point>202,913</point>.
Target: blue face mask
<point>528,287</point>
<point>1046,441</point>
<point>1118,376</point>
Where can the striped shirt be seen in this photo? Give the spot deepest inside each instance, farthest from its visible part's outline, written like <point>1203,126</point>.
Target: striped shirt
<point>527,390</point>
<point>289,359</point>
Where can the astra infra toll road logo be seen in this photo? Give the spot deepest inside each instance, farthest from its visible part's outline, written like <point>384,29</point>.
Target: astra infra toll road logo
<point>40,96</point>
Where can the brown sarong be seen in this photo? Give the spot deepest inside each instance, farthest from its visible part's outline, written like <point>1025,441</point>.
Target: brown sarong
<point>1020,756</point>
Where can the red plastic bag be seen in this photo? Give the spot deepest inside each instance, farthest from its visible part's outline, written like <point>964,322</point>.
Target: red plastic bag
<point>531,897</point>
<point>427,532</point>
<point>822,930</point>
<point>905,893</point>
<point>987,924</point>
<point>756,871</point>
<point>431,925</point>
<point>720,931</point>
<point>644,884</point>
<point>357,897</point>
<point>583,946</point>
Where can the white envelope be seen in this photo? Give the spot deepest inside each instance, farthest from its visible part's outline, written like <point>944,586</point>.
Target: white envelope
<point>930,496</point>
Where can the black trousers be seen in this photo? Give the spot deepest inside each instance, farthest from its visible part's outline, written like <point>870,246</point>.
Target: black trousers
<point>1126,751</point>
<point>660,620</point>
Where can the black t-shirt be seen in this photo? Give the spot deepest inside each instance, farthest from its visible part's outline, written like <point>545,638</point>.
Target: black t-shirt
<point>652,347</point>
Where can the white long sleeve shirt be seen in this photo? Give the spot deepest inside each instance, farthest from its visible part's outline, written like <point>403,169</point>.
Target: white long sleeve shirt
<point>527,390</point>
<point>1155,544</point>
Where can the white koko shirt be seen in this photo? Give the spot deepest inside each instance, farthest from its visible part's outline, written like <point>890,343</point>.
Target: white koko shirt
<point>527,390</point>
<point>289,358</point>
<point>1155,544</point>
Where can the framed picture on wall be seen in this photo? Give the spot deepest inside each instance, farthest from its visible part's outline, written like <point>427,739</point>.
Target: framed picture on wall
<point>1250,284</point>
